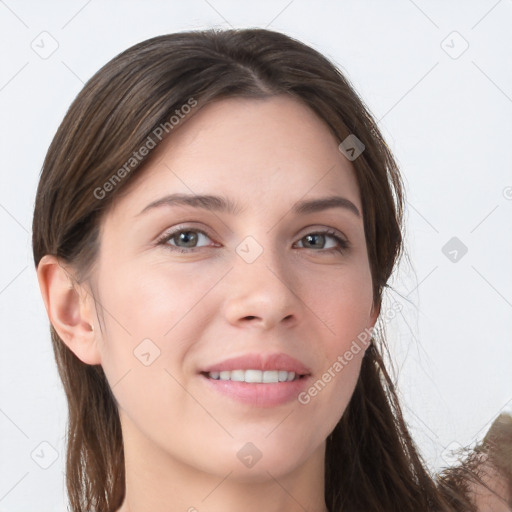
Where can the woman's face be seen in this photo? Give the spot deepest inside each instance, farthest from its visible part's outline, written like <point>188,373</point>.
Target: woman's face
<point>260,280</point>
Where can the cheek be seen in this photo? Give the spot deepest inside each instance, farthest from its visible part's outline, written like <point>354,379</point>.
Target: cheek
<point>152,314</point>
<point>327,398</point>
<point>343,305</point>
<point>342,301</point>
<point>152,300</point>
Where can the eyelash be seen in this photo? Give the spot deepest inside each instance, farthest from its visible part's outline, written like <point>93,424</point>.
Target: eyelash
<point>343,244</point>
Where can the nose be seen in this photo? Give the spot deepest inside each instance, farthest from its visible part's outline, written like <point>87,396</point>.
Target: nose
<point>261,293</point>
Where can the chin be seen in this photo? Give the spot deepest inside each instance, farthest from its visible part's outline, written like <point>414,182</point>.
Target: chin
<point>262,471</point>
<point>253,462</point>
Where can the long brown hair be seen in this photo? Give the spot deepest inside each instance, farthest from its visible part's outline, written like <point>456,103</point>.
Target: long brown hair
<point>371,461</point>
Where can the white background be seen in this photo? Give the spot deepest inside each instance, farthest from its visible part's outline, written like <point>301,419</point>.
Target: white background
<point>448,121</point>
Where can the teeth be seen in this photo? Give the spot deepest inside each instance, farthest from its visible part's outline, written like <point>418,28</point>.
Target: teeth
<point>283,375</point>
<point>254,376</point>
<point>270,376</point>
<point>237,375</point>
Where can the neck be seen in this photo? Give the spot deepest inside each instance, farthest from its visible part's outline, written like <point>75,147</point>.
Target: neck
<point>158,482</point>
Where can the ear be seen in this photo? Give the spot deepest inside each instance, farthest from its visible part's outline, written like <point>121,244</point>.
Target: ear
<point>70,309</point>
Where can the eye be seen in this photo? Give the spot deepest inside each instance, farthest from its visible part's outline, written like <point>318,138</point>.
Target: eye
<point>189,239</point>
<point>318,238</point>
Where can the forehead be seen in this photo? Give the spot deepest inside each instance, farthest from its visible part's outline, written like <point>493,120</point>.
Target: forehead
<point>256,151</point>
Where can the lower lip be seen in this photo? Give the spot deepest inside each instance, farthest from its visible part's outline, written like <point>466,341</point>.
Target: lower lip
<point>259,394</point>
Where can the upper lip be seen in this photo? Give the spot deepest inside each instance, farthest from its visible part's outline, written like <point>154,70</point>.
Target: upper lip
<point>258,361</point>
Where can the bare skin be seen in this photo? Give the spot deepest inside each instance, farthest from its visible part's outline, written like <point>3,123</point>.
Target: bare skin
<point>305,297</point>
<point>495,497</point>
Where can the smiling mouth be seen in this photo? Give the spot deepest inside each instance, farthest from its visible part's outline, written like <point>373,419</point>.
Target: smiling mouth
<point>254,376</point>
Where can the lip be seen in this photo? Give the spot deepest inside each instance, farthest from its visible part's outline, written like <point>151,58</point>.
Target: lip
<point>259,394</point>
<point>260,361</point>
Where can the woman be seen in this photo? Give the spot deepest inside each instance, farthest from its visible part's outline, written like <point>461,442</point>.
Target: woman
<point>216,220</point>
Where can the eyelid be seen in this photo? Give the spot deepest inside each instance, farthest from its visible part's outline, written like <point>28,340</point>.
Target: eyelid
<point>319,228</point>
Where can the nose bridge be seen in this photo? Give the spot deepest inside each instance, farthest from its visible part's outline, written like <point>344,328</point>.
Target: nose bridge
<point>261,283</point>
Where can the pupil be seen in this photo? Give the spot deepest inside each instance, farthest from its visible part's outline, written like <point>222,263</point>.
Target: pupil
<point>188,237</point>
<point>309,237</point>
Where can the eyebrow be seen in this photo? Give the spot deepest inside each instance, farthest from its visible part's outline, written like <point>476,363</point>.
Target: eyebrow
<point>223,204</point>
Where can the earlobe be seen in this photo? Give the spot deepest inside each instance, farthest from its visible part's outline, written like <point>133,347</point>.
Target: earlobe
<point>70,313</point>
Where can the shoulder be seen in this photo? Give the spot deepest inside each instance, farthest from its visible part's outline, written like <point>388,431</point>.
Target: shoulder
<point>494,494</point>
